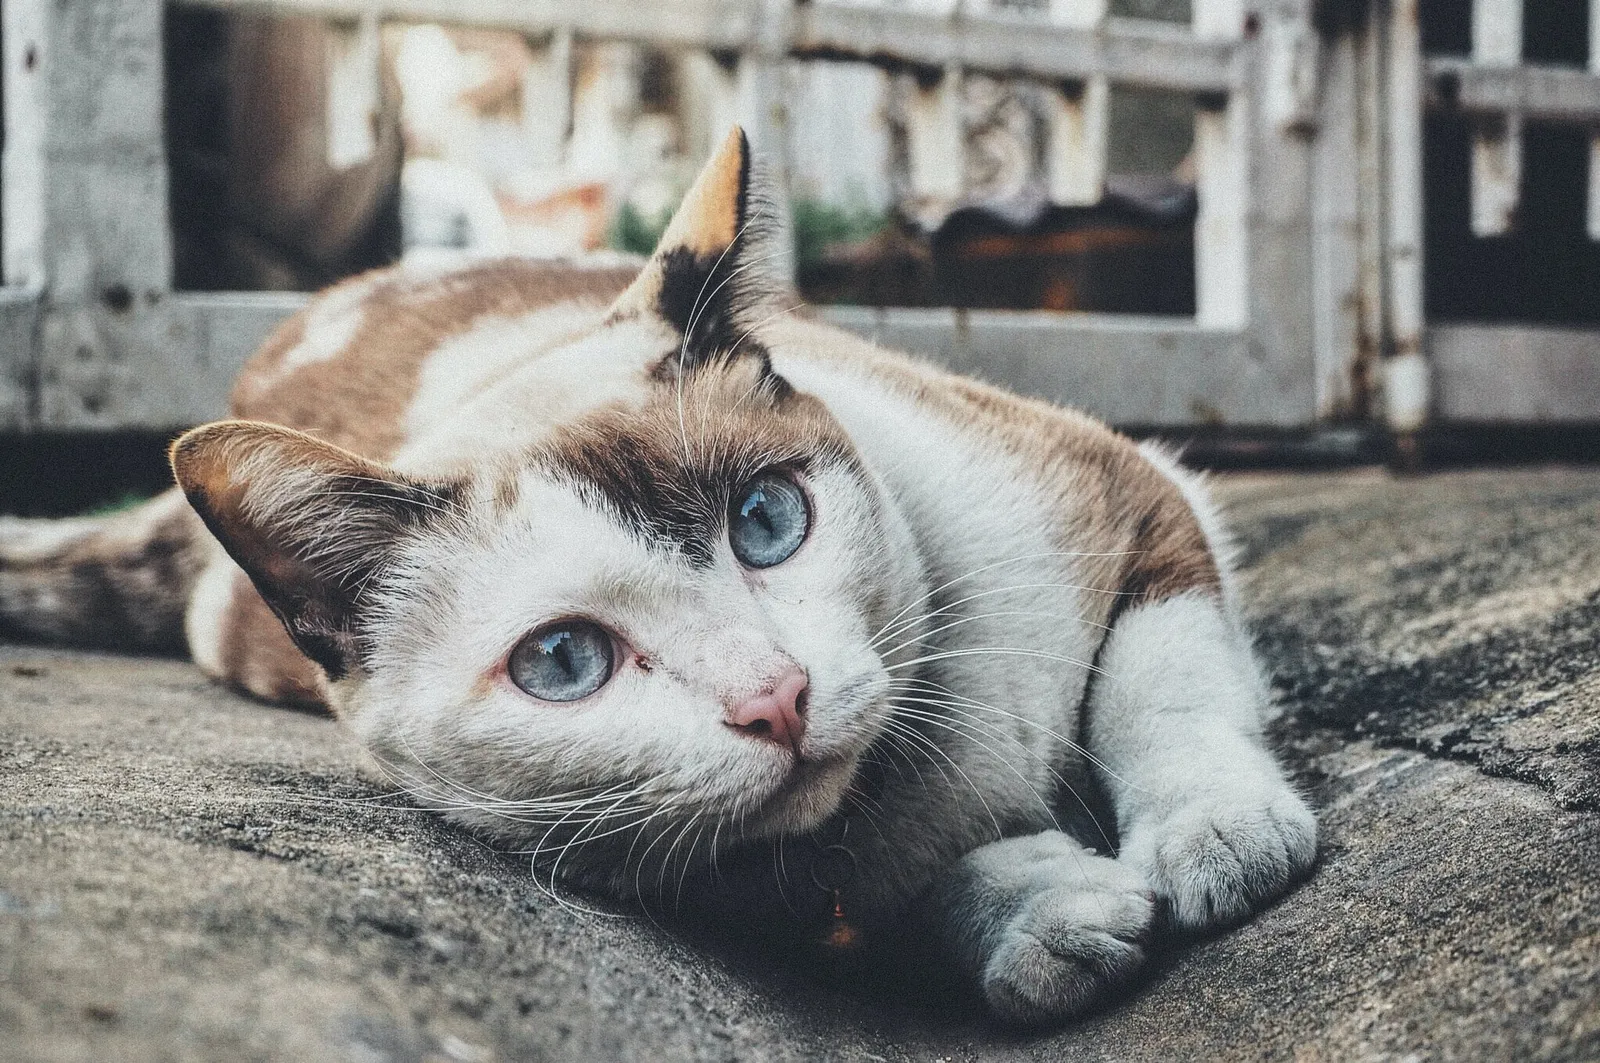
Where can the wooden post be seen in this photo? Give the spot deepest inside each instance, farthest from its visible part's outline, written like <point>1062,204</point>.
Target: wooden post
<point>936,143</point>
<point>1406,379</point>
<point>547,99</point>
<point>1594,139</point>
<point>1222,174</point>
<point>1496,142</point>
<point>1076,159</point>
<point>355,88</point>
<point>86,214</point>
<point>1077,119</point>
<point>1336,208</point>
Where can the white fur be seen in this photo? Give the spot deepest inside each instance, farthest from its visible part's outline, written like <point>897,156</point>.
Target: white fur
<point>1204,811</point>
<point>209,603</point>
<point>499,387</point>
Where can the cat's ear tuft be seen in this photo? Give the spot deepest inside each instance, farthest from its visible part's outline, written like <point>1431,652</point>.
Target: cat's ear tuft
<point>719,266</point>
<point>310,524</point>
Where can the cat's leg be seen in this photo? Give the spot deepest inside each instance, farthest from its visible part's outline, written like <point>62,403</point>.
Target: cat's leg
<point>1205,813</point>
<point>1043,926</point>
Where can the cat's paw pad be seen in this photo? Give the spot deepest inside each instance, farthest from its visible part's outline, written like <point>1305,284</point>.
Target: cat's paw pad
<point>1215,861</point>
<point>1064,946</point>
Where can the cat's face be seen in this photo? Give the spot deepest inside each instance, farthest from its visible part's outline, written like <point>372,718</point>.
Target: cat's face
<point>676,612</point>
<point>653,613</point>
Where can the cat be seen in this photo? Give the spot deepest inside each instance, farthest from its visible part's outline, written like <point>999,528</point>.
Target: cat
<point>706,604</point>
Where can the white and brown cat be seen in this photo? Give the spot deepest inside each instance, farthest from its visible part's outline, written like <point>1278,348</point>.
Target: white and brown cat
<point>706,604</point>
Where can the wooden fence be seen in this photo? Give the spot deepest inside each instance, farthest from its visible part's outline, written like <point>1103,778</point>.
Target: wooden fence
<point>1308,243</point>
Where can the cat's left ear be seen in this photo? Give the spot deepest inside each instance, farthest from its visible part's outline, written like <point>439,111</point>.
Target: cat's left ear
<point>312,525</point>
<point>718,269</point>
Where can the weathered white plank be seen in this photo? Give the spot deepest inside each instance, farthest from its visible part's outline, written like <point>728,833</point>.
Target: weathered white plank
<point>1131,51</point>
<point>86,199</point>
<point>1515,373</point>
<point>1219,20</point>
<point>209,336</point>
<point>936,142</point>
<point>1076,118</point>
<point>1540,93</point>
<point>1594,140</point>
<point>1075,164</point>
<point>1406,384</point>
<point>1221,243</point>
<point>19,322</point>
<point>1084,14</point>
<point>1128,369</point>
<point>1496,174</point>
<point>354,91</point>
<point>1336,236</point>
<point>1222,185</point>
<point>547,99</point>
<point>1496,177</point>
<point>1497,32</point>
<point>1293,69</point>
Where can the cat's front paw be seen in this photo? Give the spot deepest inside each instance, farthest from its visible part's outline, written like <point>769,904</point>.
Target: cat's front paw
<point>1066,944</point>
<point>1218,858</point>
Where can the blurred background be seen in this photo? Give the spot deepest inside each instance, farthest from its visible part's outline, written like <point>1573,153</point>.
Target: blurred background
<point>302,149</point>
<point>1281,232</point>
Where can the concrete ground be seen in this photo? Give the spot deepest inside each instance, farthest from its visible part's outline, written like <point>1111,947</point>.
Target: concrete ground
<point>185,875</point>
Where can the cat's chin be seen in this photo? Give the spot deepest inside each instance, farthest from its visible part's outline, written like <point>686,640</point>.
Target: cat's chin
<point>807,796</point>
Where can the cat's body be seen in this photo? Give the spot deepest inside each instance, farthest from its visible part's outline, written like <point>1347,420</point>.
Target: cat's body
<point>988,607</point>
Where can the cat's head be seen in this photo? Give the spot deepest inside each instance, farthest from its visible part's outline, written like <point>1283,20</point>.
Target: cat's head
<point>674,611</point>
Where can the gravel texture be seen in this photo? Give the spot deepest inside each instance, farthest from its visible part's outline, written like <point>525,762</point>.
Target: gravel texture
<point>185,875</point>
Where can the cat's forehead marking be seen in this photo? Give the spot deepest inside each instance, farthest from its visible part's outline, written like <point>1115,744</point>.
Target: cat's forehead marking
<point>667,470</point>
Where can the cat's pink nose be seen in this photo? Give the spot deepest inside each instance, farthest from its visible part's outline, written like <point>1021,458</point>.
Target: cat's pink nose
<point>777,716</point>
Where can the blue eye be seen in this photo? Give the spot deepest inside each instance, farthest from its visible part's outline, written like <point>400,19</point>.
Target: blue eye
<point>565,661</point>
<point>768,520</point>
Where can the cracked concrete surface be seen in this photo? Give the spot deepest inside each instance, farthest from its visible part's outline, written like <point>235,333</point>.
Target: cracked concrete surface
<point>185,875</point>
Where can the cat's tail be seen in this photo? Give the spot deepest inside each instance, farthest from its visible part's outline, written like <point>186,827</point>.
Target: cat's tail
<point>119,582</point>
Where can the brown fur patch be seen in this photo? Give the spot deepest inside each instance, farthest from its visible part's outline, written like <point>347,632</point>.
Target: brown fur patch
<point>358,397</point>
<point>259,658</point>
<point>668,469</point>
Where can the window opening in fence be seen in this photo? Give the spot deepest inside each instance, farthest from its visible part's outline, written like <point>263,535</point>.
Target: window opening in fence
<point>303,150</point>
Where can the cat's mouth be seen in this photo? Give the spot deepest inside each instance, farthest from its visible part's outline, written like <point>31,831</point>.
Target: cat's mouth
<point>809,794</point>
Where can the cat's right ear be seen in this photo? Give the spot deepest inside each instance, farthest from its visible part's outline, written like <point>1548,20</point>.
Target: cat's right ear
<point>310,524</point>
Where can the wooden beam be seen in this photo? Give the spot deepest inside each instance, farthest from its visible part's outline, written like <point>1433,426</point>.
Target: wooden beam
<point>1515,373</point>
<point>1131,51</point>
<point>1541,93</point>
<point>1126,368</point>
